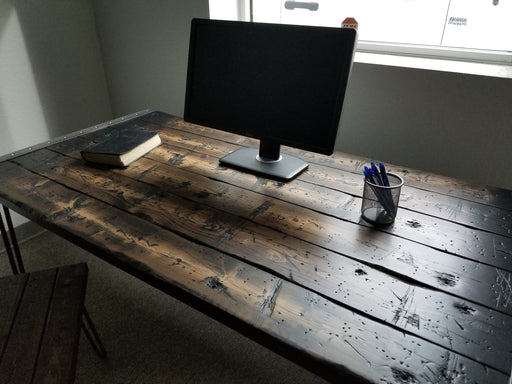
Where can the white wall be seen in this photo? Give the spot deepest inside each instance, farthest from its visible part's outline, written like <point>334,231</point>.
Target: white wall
<point>145,47</point>
<point>51,73</point>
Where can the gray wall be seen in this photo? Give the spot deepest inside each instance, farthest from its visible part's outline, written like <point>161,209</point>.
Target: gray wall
<point>145,47</point>
<point>449,123</point>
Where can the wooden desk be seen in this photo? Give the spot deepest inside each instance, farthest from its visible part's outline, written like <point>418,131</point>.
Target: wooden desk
<point>292,265</point>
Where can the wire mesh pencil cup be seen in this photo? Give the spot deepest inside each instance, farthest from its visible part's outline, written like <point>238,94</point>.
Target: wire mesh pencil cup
<point>380,203</point>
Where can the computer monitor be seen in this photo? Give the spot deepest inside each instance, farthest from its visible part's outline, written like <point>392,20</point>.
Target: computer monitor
<point>281,84</point>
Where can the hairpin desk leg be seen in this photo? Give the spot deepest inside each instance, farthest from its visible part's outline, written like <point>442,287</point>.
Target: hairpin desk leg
<point>14,259</point>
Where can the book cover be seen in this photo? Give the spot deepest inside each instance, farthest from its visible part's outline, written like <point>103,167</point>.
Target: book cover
<point>123,149</point>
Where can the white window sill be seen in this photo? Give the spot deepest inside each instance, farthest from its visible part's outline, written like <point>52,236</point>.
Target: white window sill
<point>467,67</point>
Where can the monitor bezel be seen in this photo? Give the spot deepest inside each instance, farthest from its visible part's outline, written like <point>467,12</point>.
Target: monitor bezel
<point>330,131</point>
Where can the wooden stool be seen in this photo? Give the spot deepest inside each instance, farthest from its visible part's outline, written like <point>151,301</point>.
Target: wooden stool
<point>40,319</point>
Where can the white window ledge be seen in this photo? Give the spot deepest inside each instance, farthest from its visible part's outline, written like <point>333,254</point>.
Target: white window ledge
<point>445,65</point>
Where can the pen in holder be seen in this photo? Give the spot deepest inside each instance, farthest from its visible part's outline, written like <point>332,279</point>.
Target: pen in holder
<point>380,201</point>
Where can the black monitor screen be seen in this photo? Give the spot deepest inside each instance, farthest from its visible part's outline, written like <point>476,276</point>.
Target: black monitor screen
<point>282,84</point>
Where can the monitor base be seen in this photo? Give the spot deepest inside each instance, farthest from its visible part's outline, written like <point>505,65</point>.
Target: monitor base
<point>246,158</point>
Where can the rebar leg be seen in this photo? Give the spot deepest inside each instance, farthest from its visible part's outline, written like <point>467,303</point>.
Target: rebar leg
<point>92,335</point>
<point>15,259</point>
<point>14,240</point>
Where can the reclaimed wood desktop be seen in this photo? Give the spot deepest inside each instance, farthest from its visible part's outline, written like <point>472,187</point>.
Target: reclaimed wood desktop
<point>291,264</point>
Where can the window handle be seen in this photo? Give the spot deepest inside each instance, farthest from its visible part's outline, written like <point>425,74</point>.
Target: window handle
<point>291,5</point>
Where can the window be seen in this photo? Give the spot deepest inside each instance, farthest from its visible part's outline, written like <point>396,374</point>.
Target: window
<point>465,30</point>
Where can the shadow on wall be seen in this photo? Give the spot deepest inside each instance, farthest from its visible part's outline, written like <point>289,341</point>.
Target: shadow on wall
<point>59,42</point>
<point>7,142</point>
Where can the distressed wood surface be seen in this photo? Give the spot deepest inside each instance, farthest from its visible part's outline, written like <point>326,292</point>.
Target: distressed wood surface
<point>292,264</point>
<point>458,188</point>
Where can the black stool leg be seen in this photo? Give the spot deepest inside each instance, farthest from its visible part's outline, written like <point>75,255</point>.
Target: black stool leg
<point>92,335</point>
<point>14,259</point>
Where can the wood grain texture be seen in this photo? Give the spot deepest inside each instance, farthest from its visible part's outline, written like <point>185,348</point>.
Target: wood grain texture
<point>418,310</point>
<point>286,311</point>
<point>446,236</point>
<point>488,195</point>
<point>292,265</point>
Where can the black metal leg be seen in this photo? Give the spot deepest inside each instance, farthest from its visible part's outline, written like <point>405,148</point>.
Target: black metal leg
<point>16,264</point>
<point>92,335</point>
<point>14,240</point>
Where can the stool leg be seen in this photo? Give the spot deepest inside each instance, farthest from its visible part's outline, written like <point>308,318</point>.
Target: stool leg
<point>92,335</point>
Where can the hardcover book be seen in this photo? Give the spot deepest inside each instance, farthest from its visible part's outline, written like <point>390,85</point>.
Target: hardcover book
<point>123,149</point>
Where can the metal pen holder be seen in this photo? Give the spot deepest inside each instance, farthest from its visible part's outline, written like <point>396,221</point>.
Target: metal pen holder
<point>380,203</point>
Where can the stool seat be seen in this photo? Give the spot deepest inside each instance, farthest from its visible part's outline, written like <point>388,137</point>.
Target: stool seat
<point>40,321</point>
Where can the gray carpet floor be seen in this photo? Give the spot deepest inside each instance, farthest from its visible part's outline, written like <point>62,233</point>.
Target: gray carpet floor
<point>151,337</point>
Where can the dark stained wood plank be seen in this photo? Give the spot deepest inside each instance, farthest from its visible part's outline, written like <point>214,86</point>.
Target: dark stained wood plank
<point>489,195</point>
<point>448,321</point>
<point>296,319</point>
<point>25,338</point>
<point>396,251</point>
<point>447,207</point>
<point>482,246</point>
<point>59,348</point>
<point>169,121</point>
<point>493,196</point>
<point>476,215</point>
<point>464,278</point>
<point>457,210</point>
<point>440,318</point>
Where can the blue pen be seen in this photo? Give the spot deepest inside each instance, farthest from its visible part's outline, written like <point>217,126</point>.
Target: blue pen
<point>384,175</point>
<point>385,181</point>
<point>376,173</point>
<point>368,173</point>
<point>381,195</point>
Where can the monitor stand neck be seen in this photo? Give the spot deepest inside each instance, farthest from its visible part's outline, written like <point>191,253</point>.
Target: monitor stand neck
<point>267,161</point>
<point>270,152</point>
